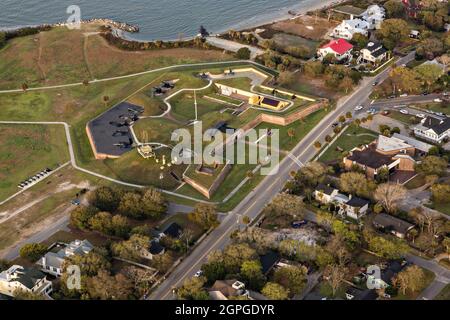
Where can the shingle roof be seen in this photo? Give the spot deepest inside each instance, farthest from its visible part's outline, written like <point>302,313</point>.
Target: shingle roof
<point>370,157</point>
<point>173,230</point>
<point>325,189</point>
<point>356,202</point>
<point>388,221</point>
<point>437,125</point>
<point>269,260</point>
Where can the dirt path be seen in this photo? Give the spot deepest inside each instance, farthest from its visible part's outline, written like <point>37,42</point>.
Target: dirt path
<point>85,54</point>
<point>41,69</point>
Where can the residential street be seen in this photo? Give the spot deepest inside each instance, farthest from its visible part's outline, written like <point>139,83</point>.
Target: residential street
<point>252,205</point>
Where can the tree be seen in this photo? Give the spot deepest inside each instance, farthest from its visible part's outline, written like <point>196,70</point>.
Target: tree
<point>389,249</point>
<point>105,100</point>
<point>287,204</point>
<point>336,275</point>
<point>429,48</point>
<point>131,249</point>
<point>90,264</point>
<point>131,205</point>
<point>274,291</point>
<point>153,203</point>
<point>234,256</point>
<point>286,78</point>
<point>392,32</point>
<point>101,222</point>
<point>24,87</point>
<point>203,32</point>
<point>317,145</point>
<point>432,165</point>
<point>243,53</point>
<point>32,251</point>
<point>192,289</point>
<point>360,40</point>
<point>291,277</point>
<point>383,175</point>
<point>105,199</point>
<point>251,272</point>
<point>214,270</point>
<point>354,183</point>
<point>2,39</point>
<point>346,84</point>
<point>394,9</point>
<point>405,80</point>
<point>411,279</point>
<point>205,215</point>
<point>429,74</point>
<point>440,193</point>
<point>142,279</point>
<point>389,195</point>
<point>120,226</point>
<point>107,287</point>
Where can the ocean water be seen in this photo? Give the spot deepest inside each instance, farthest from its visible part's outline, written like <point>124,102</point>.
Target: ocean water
<point>157,19</point>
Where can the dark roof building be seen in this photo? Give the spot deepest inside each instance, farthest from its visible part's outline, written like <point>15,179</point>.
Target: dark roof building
<point>356,202</point>
<point>155,247</point>
<point>396,226</point>
<point>325,189</point>
<point>268,261</point>
<point>173,230</point>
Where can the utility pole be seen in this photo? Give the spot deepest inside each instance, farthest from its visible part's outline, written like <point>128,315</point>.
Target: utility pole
<point>195,104</point>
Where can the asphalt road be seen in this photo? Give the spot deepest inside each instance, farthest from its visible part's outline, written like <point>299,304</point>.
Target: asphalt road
<point>252,205</point>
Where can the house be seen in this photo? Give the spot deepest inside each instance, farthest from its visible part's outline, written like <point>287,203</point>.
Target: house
<point>385,153</point>
<point>154,249</point>
<point>388,273</point>
<point>388,223</point>
<point>412,7</point>
<point>348,28</point>
<point>374,52</point>
<point>52,262</point>
<point>436,130</point>
<point>173,230</point>
<point>339,48</point>
<point>224,289</point>
<point>349,206</point>
<point>28,280</point>
<point>269,261</point>
<point>421,147</point>
<point>374,16</point>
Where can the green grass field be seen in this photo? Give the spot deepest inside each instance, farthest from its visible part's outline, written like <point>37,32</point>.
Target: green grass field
<point>352,137</point>
<point>27,150</point>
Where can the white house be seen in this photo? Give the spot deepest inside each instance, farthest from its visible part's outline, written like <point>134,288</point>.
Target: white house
<point>374,16</point>
<point>348,28</point>
<point>433,129</point>
<point>339,48</point>
<point>52,262</point>
<point>374,52</point>
<point>349,206</point>
<point>21,279</point>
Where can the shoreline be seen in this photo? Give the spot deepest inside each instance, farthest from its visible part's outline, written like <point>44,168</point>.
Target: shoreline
<point>125,31</point>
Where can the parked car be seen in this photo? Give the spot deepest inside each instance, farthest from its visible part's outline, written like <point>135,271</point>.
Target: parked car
<point>75,202</point>
<point>298,224</point>
<point>420,115</point>
<point>437,100</point>
<point>334,125</point>
<point>404,111</point>
<point>404,95</point>
<point>198,274</point>
<point>375,83</point>
<point>386,112</point>
<point>357,108</point>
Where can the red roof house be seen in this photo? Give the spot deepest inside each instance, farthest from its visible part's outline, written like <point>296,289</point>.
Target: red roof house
<point>340,48</point>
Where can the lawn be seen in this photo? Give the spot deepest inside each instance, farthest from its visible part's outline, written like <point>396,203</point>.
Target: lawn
<point>435,106</point>
<point>405,118</point>
<point>441,207</point>
<point>64,56</point>
<point>444,294</point>
<point>27,150</point>
<point>352,137</point>
<point>183,106</point>
<point>288,40</point>
<point>238,83</point>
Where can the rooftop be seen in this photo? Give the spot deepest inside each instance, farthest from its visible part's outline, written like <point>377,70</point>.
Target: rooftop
<point>437,125</point>
<point>389,144</point>
<point>339,46</point>
<point>387,221</point>
<point>29,277</point>
<point>370,157</point>
<point>269,260</point>
<point>419,145</point>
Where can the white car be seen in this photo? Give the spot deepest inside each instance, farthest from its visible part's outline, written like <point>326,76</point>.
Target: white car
<point>420,115</point>
<point>358,108</point>
<point>437,100</point>
<point>404,111</point>
<point>404,95</point>
<point>198,274</point>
